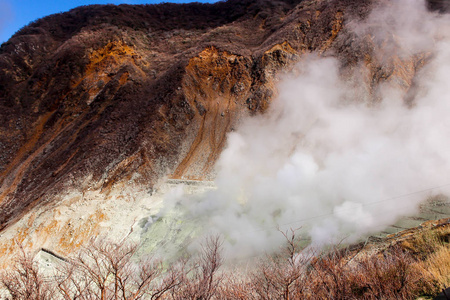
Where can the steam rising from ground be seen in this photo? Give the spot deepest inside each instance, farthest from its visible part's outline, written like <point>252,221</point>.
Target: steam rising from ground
<point>324,159</point>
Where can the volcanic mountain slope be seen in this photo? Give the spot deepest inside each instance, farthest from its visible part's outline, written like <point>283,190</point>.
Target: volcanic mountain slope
<point>104,97</point>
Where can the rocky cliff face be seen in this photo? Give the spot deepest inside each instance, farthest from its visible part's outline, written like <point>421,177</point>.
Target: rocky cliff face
<point>103,98</point>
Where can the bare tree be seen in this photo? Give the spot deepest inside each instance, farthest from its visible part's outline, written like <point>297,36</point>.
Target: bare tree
<point>25,281</point>
<point>281,275</point>
<point>390,275</point>
<point>200,277</point>
<point>236,286</point>
<point>329,275</point>
<point>110,271</point>
<point>106,270</point>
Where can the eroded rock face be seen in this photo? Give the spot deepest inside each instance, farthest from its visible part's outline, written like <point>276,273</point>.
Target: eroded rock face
<point>104,98</point>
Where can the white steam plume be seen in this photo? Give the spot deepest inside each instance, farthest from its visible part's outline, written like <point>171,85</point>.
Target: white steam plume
<point>330,162</point>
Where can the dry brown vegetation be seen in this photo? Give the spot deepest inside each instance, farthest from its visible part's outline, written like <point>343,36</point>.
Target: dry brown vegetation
<point>405,269</point>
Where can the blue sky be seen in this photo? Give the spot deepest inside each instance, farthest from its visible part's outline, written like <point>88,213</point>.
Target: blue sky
<point>14,14</point>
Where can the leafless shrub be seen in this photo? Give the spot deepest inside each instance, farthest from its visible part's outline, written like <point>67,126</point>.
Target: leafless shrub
<point>390,275</point>
<point>200,277</point>
<point>329,275</point>
<point>236,286</point>
<point>282,275</point>
<point>105,270</point>
<point>25,281</point>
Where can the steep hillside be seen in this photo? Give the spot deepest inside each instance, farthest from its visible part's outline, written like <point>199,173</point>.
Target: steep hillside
<point>102,98</point>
